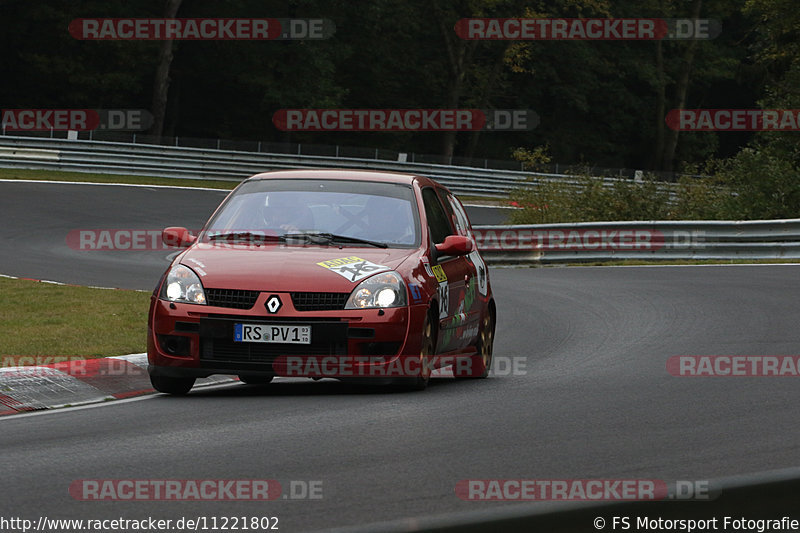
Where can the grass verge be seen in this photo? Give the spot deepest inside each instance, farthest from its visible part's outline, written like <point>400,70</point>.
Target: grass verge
<point>45,319</point>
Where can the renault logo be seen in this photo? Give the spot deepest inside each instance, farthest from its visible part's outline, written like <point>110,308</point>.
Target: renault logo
<point>273,303</point>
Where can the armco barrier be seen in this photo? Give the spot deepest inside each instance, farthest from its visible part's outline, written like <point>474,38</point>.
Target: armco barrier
<point>655,240</point>
<point>199,163</point>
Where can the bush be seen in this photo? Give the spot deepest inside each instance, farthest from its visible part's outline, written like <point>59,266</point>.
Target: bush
<point>766,182</point>
<point>589,200</point>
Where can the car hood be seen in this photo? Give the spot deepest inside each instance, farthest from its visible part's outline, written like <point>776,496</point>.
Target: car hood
<point>289,268</point>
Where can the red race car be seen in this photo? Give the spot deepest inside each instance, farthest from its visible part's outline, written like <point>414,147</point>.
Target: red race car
<point>324,273</point>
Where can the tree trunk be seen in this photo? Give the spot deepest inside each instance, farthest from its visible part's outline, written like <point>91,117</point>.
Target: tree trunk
<point>459,53</point>
<point>486,92</point>
<point>683,87</point>
<point>661,108</point>
<point>161,83</point>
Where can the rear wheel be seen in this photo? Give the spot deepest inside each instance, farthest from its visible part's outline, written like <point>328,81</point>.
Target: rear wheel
<point>480,363</point>
<point>255,380</point>
<point>170,385</point>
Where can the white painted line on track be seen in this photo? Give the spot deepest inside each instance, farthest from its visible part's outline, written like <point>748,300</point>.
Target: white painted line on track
<point>71,284</point>
<point>111,402</point>
<point>184,187</point>
<point>56,182</point>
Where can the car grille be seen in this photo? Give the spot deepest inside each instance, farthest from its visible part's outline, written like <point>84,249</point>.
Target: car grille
<point>319,301</point>
<point>233,298</point>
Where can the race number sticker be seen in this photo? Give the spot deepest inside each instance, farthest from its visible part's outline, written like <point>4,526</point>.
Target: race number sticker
<point>444,299</point>
<point>353,268</point>
<point>438,271</point>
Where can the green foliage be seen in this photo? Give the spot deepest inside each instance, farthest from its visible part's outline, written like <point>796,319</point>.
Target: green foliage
<point>587,199</point>
<point>701,198</point>
<point>598,101</point>
<point>536,159</point>
<point>766,182</point>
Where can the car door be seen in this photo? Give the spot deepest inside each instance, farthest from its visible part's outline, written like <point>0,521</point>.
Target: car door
<point>452,273</point>
<point>468,307</point>
<point>481,271</point>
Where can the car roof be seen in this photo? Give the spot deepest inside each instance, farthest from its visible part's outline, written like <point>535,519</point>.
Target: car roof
<point>347,175</point>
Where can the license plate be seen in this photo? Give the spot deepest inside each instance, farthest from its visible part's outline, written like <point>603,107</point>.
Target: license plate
<point>273,333</point>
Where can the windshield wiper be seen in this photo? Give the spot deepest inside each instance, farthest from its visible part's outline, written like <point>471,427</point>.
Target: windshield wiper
<point>240,235</point>
<point>330,237</point>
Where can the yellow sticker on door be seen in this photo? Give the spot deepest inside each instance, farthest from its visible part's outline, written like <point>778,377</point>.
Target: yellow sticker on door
<point>438,271</point>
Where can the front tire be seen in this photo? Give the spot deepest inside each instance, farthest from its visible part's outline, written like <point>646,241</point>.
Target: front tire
<point>427,351</point>
<point>255,380</point>
<point>170,385</point>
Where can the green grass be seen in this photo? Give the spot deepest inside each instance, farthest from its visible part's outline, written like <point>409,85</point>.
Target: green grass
<point>58,320</point>
<point>58,175</point>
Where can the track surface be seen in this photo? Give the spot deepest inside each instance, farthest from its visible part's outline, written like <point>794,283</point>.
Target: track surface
<point>595,402</point>
<point>36,218</point>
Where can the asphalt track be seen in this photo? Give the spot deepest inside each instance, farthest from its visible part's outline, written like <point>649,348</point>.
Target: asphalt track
<point>594,400</point>
<point>36,218</point>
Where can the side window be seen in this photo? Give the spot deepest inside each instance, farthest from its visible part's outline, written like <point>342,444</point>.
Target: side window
<point>437,218</point>
<point>448,210</point>
<point>462,221</point>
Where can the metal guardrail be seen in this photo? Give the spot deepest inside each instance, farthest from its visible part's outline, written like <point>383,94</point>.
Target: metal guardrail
<point>336,150</point>
<point>655,240</point>
<point>198,163</point>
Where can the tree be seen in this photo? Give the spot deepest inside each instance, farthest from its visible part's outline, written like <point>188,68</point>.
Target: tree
<point>161,83</point>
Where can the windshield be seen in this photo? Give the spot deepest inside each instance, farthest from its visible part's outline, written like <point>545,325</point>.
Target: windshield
<point>369,211</point>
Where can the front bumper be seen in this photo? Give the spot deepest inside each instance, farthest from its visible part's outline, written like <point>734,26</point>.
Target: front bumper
<point>186,340</point>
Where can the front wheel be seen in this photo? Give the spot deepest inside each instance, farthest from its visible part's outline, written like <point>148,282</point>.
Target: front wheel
<point>169,385</point>
<point>427,351</point>
<point>255,380</point>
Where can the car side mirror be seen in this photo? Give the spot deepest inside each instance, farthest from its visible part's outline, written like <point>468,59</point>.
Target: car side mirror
<point>455,245</point>
<point>177,236</point>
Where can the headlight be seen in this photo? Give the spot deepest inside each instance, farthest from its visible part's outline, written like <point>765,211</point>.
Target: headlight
<point>381,290</point>
<point>183,285</point>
